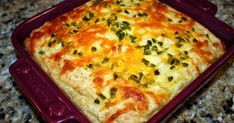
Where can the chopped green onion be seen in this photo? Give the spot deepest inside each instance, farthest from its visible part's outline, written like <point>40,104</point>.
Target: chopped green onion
<point>85,18</point>
<point>124,25</point>
<point>80,54</point>
<point>160,43</point>
<point>113,91</point>
<point>138,47</point>
<point>146,47</point>
<point>90,65</point>
<point>195,40</point>
<point>160,52</point>
<point>133,38</point>
<point>97,1</point>
<point>75,52</point>
<point>89,17</point>
<point>169,55</point>
<point>149,43</point>
<point>147,52</point>
<point>134,78</point>
<point>97,20</point>
<point>120,34</point>
<point>102,96</point>
<point>156,72</point>
<point>120,3</point>
<point>140,75</point>
<point>41,52</point>
<point>66,24</point>
<point>152,65</point>
<point>145,62</point>
<point>97,101</point>
<point>193,29</point>
<point>111,19</point>
<point>178,45</point>
<point>115,76</point>
<point>52,35</point>
<point>126,11</point>
<point>207,35</point>
<point>153,40</point>
<point>93,49</point>
<point>73,23</point>
<point>170,78</point>
<point>163,34</point>
<point>184,18</point>
<point>172,67</point>
<point>142,14</point>
<point>51,43</point>
<point>75,31</point>
<point>154,48</point>
<point>185,64</point>
<point>105,60</point>
<point>180,39</point>
<point>172,60</point>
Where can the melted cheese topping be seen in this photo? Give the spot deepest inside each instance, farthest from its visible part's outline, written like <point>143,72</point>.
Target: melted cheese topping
<point>123,60</point>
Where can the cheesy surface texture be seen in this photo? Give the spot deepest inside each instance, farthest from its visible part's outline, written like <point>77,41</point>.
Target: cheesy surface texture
<point>123,60</point>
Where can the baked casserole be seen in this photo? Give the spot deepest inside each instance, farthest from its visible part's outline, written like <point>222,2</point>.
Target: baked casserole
<point>123,60</point>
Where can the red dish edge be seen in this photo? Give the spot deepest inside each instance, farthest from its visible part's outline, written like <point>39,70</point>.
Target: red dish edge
<point>54,106</point>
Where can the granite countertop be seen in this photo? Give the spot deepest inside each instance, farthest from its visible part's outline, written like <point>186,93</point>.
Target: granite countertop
<point>214,103</point>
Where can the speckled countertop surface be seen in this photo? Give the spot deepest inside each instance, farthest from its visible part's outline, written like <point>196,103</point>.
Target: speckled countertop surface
<point>214,103</point>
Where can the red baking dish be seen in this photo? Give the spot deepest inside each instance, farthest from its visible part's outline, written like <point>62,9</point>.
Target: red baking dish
<point>54,106</point>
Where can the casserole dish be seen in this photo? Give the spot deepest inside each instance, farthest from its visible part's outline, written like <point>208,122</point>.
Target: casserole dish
<point>26,69</point>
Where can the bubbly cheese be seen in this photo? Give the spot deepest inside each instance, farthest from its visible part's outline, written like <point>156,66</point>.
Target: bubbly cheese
<point>123,60</point>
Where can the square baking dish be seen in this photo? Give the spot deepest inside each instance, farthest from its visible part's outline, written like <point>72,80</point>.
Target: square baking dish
<point>54,106</point>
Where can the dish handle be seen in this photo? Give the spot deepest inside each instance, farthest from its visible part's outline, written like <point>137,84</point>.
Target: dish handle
<point>51,105</point>
<point>205,5</point>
